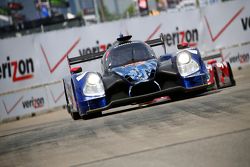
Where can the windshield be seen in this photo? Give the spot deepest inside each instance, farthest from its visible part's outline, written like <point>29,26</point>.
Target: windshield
<point>129,53</point>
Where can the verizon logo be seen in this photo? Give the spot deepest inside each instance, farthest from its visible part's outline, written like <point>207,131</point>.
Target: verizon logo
<point>245,23</point>
<point>98,48</point>
<point>33,103</point>
<point>241,58</point>
<point>179,36</point>
<point>17,70</point>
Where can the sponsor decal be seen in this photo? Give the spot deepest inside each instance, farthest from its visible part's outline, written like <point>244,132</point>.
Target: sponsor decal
<point>154,32</point>
<point>241,58</point>
<point>179,36</point>
<point>53,68</point>
<point>12,108</point>
<point>33,103</point>
<point>215,37</point>
<point>191,36</point>
<point>245,23</point>
<point>17,70</point>
<point>56,98</point>
<point>98,48</point>
<point>103,47</point>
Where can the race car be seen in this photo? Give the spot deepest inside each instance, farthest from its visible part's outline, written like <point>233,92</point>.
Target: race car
<point>221,74</point>
<point>132,74</point>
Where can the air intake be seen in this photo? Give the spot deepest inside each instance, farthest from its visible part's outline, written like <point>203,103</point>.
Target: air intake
<point>144,88</point>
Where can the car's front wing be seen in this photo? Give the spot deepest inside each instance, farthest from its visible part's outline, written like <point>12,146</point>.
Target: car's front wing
<point>174,91</point>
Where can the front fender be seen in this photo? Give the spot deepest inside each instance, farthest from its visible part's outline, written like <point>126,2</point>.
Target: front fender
<point>84,102</point>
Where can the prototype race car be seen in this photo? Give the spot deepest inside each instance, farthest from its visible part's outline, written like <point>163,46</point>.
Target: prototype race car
<point>221,74</point>
<point>132,74</point>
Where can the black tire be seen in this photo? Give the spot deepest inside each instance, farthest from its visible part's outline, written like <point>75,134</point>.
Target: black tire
<point>75,115</point>
<point>231,77</point>
<point>66,97</point>
<point>217,80</point>
<point>215,87</point>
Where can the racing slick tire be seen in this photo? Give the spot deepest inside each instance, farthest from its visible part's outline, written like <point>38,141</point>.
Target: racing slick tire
<point>217,80</point>
<point>215,85</point>
<point>75,115</point>
<point>231,77</point>
<point>66,97</point>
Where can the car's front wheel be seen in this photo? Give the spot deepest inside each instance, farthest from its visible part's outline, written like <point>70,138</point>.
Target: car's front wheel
<point>75,115</point>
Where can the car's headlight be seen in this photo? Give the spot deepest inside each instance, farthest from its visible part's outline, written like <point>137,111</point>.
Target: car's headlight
<point>186,65</point>
<point>93,86</point>
<point>183,57</point>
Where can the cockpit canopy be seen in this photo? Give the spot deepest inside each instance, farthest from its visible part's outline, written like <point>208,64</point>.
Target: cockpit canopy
<point>127,53</point>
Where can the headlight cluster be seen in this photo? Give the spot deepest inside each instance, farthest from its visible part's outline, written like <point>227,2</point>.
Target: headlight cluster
<point>93,86</point>
<point>183,58</point>
<point>186,65</point>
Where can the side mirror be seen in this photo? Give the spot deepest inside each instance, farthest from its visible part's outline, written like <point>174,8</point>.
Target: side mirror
<point>75,70</point>
<point>183,45</point>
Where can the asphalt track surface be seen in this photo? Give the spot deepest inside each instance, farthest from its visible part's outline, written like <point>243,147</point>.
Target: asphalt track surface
<point>209,130</point>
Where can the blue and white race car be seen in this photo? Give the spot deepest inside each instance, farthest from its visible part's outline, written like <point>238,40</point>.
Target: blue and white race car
<point>132,74</point>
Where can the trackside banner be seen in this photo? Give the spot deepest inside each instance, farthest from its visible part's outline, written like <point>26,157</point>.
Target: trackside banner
<point>237,56</point>
<point>31,101</point>
<point>39,60</point>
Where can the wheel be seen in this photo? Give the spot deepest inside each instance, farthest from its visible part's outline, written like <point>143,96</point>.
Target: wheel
<point>217,80</point>
<point>75,115</point>
<point>231,77</point>
<point>67,100</point>
<point>214,86</point>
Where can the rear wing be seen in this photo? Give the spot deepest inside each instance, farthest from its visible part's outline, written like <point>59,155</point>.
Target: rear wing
<point>93,56</point>
<point>84,58</point>
<point>218,55</point>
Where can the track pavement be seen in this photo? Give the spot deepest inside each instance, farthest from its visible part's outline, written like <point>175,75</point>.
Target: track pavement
<point>209,130</point>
